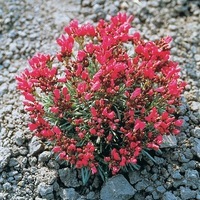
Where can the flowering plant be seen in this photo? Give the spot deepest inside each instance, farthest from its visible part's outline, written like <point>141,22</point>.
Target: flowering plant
<point>105,97</point>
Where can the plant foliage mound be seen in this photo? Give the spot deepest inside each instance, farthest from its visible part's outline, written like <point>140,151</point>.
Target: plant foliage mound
<point>104,97</point>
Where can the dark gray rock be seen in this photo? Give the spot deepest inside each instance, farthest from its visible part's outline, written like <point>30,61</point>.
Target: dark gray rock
<point>117,188</point>
<point>192,177</point>
<point>134,177</point>
<point>188,154</point>
<point>5,155</point>
<point>142,185</point>
<point>196,147</point>
<point>176,175</point>
<point>35,146</point>
<point>69,177</point>
<point>44,156</point>
<point>155,195</point>
<point>161,189</point>
<point>187,193</point>
<point>169,196</point>
<point>69,194</point>
<point>44,189</point>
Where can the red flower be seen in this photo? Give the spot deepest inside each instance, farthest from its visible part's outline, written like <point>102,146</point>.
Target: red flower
<point>139,125</point>
<point>29,96</point>
<point>115,155</point>
<point>57,149</point>
<point>56,93</point>
<point>178,122</point>
<point>136,93</point>
<point>96,86</point>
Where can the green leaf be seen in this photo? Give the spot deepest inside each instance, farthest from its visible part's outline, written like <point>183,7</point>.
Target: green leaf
<point>145,153</point>
<point>85,174</point>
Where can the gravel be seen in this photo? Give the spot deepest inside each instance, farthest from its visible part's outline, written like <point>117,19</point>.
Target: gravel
<point>28,170</point>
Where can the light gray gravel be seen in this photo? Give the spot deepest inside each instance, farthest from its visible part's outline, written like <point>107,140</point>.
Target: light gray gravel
<point>27,168</point>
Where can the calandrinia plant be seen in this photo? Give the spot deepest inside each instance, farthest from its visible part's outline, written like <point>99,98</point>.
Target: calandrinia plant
<point>104,97</point>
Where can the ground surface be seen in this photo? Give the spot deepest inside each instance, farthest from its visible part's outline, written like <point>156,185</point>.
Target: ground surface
<point>27,168</point>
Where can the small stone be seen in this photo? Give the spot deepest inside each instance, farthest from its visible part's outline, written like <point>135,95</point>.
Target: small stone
<point>1,57</point>
<point>142,185</point>
<point>196,147</point>
<point>195,106</point>
<point>161,189</point>
<point>69,177</point>
<point>97,8</point>
<point>44,156</point>
<point>187,193</point>
<point>7,186</point>
<point>33,36</point>
<point>3,89</point>
<point>68,194</point>
<point>117,188</point>
<point>169,141</point>
<point>134,177</point>
<point>35,146</point>
<point>196,132</point>
<point>169,196</point>
<point>44,189</point>
<point>155,195</point>
<point>182,109</point>
<point>188,154</point>
<point>53,164</point>
<point>192,175</point>
<point>13,162</point>
<point>5,155</point>
<point>197,57</point>
<point>172,27</point>
<point>91,196</point>
<point>13,47</point>
<point>182,158</point>
<point>176,175</point>
<point>32,161</point>
<point>19,138</point>
<point>23,150</point>
<point>6,63</point>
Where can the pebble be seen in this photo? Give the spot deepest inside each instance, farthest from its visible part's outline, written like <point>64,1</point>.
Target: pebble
<point>187,193</point>
<point>45,189</point>
<point>161,189</point>
<point>176,175</point>
<point>117,188</point>
<point>5,155</point>
<point>196,132</point>
<point>6,63</point>
<point>44,156</point>
<point>35,146</point>
<point>169,196</point>
<point>68,177</point>
<point>19,138</point>
<point>68,193</point>
<point>134,177</point>
<point>197,57</point>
